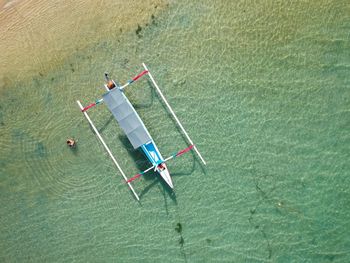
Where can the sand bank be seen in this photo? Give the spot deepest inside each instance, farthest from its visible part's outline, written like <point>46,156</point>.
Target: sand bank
<point>36,36</point>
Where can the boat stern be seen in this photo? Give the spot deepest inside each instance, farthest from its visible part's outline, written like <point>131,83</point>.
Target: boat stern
<point>152,153</point>
<point>163,170</point>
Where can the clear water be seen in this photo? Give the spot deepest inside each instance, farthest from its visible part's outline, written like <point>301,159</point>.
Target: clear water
<point>262,88</point>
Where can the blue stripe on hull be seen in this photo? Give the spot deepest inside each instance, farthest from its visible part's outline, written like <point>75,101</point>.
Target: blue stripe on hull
<point>152,153</point>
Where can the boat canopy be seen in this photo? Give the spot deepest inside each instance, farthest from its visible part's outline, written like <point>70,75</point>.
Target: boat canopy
<point>127,117</point>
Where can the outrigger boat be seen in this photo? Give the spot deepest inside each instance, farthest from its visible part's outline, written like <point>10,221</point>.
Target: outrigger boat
<point>137,133</point>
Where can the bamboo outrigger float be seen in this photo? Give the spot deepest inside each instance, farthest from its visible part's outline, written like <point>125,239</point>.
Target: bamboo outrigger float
<point>135,130</point>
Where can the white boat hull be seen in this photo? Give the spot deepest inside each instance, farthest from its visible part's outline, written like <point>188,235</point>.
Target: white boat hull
<point>152,153</point>
<point>164,173</point>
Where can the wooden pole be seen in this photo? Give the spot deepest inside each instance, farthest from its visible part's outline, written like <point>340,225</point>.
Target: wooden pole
<point>172,112</point>
<point>108,150</point>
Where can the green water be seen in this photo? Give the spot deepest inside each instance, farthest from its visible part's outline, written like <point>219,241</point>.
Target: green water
<point>263,90</point>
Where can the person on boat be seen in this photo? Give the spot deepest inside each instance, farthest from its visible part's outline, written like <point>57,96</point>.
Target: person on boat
<point>71,143</point>
<point>161,167</point>
<point>110,84</point>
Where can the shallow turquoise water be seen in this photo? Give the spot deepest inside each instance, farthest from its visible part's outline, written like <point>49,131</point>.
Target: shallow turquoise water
<point>263,89</point>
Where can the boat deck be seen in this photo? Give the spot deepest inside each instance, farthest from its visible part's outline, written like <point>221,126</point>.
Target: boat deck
<point>127,117</point>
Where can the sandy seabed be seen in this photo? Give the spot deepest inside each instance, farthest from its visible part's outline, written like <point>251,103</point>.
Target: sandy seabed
<point>36,36</point>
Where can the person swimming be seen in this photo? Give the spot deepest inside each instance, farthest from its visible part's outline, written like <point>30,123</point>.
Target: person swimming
<point>71,143</point>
